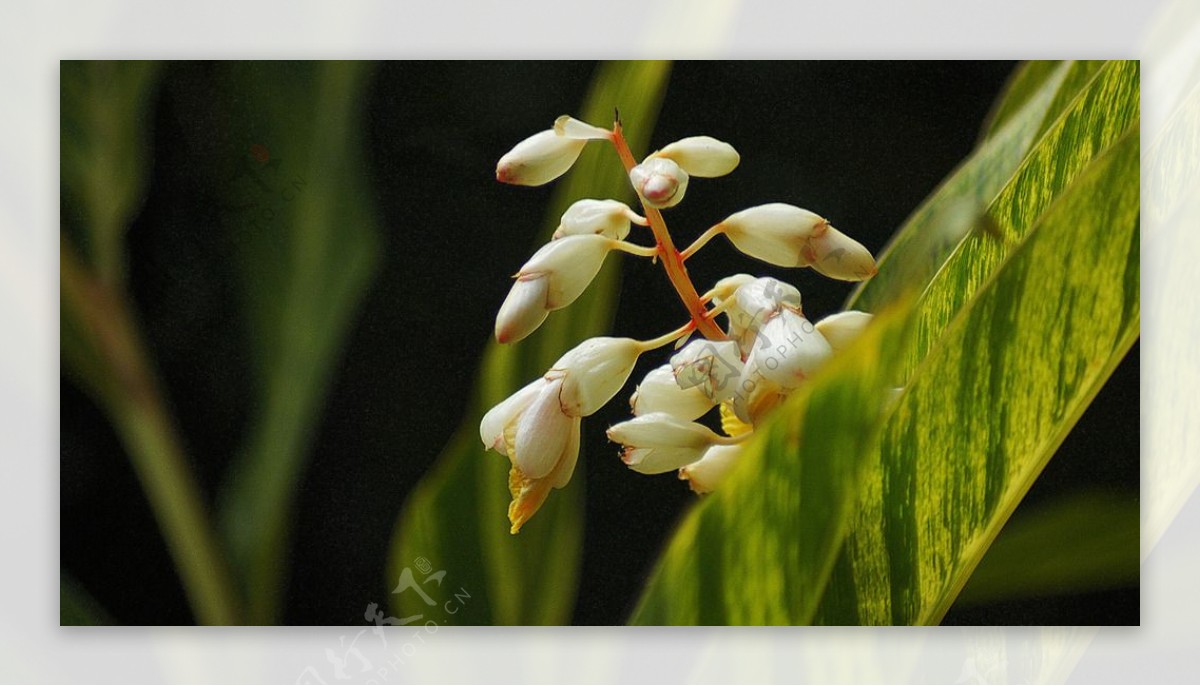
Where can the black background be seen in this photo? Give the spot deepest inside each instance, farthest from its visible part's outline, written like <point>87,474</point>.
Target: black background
<point>861,143</point>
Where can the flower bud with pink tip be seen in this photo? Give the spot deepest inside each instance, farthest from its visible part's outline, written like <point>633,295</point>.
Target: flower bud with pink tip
<point>553,278</point>
<point>660,182</point>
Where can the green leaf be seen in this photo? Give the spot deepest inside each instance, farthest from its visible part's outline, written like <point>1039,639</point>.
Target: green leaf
<point>106,107</point>
<point>303,219</point>
<point>456,517</point>
<point>1080,543</point>
<point>759,549</point>
<point>915,253</point>
<point>1018,325</point>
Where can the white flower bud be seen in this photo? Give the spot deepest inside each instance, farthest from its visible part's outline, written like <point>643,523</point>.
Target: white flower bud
<point>524,309</point>
<point>609,218</point>
<point>776,233</point>
<point>539,159</point>
<point>704,475</point>
<point>756,302</point>
<point>657,442</point>
<point>842,328</point>
<point>702,156</point>
<point>712,366</point>
<point>788,350</point>
<point>660,392</point>
<point>594,371</point>
<point>571,127</point>
<point>659,181</point>
<point>839,256</point>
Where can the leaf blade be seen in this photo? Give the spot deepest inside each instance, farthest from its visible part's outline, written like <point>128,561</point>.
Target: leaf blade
<point>893,566</point>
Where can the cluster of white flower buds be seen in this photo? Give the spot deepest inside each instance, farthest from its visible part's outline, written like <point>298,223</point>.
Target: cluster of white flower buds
<point>766,350</point>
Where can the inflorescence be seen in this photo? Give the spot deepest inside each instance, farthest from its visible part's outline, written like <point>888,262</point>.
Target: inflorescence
<point>766,350</point>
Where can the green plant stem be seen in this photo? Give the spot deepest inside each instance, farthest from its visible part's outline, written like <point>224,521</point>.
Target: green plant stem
<point>672,262</point>
<point>120,378</point>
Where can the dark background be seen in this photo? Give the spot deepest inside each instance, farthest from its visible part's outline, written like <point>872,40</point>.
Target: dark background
<point>861,143</point>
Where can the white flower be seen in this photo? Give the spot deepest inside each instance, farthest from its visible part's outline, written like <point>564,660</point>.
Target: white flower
<point>540,440</point>
<point>553,278</point>
<point>595,370</point>
<point>712,366</point>
<point>702,156</point>
<point>658,442</point>
<point>839,256</point>
<point>842,328</point>
<point>660,392</point>
<point>609,218</point>
<point>788,349</point>
<point>659,181</point>
<point>539,159</point>
<point>538,426</point>
<point>725,288</point>
<point>497,420</point>
<point>704,475</point>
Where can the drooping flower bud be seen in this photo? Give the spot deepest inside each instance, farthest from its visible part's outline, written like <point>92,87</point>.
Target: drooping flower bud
<point>842,328</point>
<point>524,308</point>
<point>539,159</point>
<point>660,392</point>
<point>788,350</point>
<point>712,366</point>
<point>553,278</point>
<point>594,371</point>
<point>702,156</point>
<point>659,181</point>
<point>657,442</point>
<point>609,218</point>
<point>571,127</point>
<point>839,256</point>
<point>776,233</point>
<point>704,475</point>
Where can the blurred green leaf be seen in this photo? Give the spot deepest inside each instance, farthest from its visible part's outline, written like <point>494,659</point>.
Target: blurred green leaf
<point>304,225</point>
<point>106,119</point>
<point>456,517</point>
<point>104,126</point>
<point>77,607</point>
<point>1019,324</point>
<point>1080,543</point>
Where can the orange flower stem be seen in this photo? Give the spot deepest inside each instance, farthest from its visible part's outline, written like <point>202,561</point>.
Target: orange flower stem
<point>671,260</point>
